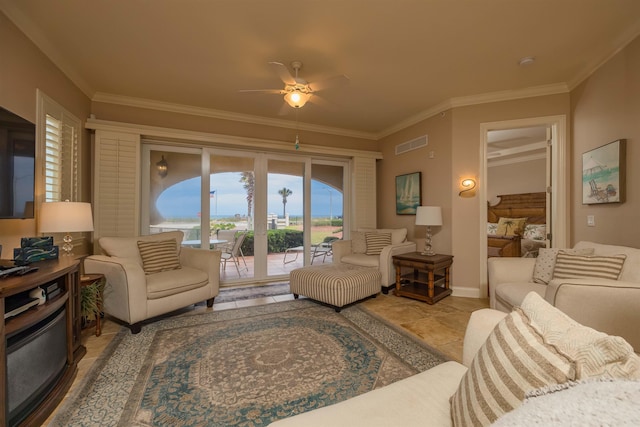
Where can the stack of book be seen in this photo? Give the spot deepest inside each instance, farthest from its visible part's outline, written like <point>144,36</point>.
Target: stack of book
<point>51,290</point>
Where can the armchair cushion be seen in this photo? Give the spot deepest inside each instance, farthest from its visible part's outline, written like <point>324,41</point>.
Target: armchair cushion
<point>159,256</point>
<point>363,260</point>
<point>127,247</point>
<point>376,242</point>
<point>167,283</point>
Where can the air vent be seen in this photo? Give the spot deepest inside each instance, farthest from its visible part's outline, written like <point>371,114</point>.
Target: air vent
<point>419,142</point>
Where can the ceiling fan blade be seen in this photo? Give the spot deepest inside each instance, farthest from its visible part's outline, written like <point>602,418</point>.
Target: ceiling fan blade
<point>276,91</point>
<point>335,81</point>
<point>321,102</point>
<point>284,110</point>
<point>283,73</point>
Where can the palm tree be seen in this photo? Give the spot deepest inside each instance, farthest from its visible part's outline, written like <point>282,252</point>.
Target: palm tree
<point>284,192</point>
<point>248,183</point>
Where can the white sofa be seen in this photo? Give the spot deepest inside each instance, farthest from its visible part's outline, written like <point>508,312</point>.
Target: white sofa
<point>133,296</point>
<point>353,251</point>
<point>539,342</point>
<point>611,306</point>
<point>420,400</point>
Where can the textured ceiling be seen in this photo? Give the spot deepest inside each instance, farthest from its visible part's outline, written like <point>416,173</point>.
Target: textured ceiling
<point>405,58</point>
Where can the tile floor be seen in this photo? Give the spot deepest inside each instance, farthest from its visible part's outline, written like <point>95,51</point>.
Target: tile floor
<point>441,325</point>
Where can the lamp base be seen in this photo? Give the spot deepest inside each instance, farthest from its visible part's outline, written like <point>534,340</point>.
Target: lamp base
<point>428,253</point>
<point>428,249</point>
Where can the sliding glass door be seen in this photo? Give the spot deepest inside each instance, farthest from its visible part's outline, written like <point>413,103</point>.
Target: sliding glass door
<point>267,213</point>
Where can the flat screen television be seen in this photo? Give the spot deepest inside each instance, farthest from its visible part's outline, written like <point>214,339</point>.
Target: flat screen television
<point>17,165</point>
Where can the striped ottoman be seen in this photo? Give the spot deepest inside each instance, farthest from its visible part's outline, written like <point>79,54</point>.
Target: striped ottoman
<point>335,284</point>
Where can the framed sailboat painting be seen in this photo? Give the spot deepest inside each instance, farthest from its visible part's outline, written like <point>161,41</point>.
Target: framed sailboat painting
<point>408,193</point>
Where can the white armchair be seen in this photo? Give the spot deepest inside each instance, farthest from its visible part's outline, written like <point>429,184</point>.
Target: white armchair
<point>354,252</point>
<point>133,294</point>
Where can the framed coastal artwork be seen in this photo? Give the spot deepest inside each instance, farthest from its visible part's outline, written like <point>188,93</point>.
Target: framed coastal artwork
<point>603,174</point>
<point>408,193</point>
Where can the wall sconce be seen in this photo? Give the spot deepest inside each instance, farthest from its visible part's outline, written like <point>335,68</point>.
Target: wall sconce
<point>469,187</point>
<point>163,167</point>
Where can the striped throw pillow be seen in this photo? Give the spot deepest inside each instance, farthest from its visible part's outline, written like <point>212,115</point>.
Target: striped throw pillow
<point>376,242</point>
<point>536,345</point>
<point>159,256</point>
<point>570,266</point>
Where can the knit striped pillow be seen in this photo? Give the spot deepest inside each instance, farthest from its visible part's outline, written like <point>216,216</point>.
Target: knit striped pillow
<point>159,256</point>
<point>573,266</point>
<point>376,242</point>
<point>513,360</point>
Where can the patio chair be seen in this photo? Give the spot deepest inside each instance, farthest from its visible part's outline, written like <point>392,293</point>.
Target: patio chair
<point>322,249</point>
<point>233,252</point>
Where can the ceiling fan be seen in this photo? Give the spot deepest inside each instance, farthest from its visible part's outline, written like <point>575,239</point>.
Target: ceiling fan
<point>297,91</point>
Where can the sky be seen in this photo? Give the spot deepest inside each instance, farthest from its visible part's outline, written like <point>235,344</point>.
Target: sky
<point>183,199</point>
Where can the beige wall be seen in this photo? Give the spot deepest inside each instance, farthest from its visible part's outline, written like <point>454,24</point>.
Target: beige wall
<point>514,178</point>
<point>606,107</point>
<point>25,69</point>
<point>436,182</point>
<point>455,139</point>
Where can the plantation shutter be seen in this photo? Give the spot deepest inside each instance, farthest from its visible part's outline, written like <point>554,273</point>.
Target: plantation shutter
<point>116,184</point>
<point>364,194</point>
<point>61,159</point>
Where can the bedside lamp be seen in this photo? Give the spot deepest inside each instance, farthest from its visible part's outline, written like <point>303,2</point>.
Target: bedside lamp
<point>66,217</point>
<point>429,216</point>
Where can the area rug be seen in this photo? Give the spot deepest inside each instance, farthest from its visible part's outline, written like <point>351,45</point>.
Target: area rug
<point>248,292</point>
<point>242,367</point>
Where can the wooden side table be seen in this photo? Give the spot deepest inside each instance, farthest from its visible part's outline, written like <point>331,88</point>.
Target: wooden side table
<point>430,279</point>
<point>88,280</point>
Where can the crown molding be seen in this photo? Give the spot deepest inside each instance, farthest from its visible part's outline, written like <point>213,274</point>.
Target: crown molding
<point>158,134</point>
<point>621,43</point>
<point>225,115</point>
<point>484,98</point>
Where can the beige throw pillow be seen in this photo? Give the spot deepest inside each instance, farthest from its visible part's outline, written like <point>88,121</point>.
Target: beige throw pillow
<point>358,242</point>
<point>376,242</point>
<point>535,346</point>
<point>159,256</point>
<point>575,266</point>
<point>511,226</point>
<point>546,262</point>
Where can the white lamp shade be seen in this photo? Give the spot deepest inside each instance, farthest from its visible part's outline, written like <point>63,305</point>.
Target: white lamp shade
<point>297,99</point>
<point>429,215</point>
<point>65,217</point>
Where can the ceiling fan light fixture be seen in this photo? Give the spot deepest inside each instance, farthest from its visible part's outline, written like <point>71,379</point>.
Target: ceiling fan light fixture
<point>296,98</point>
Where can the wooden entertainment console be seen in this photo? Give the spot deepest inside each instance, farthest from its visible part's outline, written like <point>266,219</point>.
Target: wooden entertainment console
<point>64,272</point>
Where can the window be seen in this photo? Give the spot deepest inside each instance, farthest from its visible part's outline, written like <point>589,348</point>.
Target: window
<point>61,145</point>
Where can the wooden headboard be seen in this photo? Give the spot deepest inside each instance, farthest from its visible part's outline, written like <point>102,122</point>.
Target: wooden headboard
<point>530,205</point>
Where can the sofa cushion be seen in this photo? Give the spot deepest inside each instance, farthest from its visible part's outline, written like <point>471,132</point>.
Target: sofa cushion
<point>587,266</point>
<point>358,242</point>
<point>546,262</point>
<point>419,400</point>
<point>631,269</point>
<point>361,259</point>
<point>127,247</point>
<point>511,295</point>
<point>174,282</point>
<point>376,242</point>
<point>535,346</point>
<point>158,256</point>
<point>511,226</point>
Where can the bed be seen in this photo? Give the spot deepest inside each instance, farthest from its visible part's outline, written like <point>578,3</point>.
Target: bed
<point>525,242</point>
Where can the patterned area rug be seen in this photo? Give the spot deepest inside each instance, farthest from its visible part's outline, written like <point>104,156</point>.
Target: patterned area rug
<point>248,292</point>
<point>243,367</point>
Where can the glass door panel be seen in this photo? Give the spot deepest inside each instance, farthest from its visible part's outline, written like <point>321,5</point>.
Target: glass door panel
<point>327,210</point>
<point>175,194</point>
<point>232,207</point>
<point>285,216</point>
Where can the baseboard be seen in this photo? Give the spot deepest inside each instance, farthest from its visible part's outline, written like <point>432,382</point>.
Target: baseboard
<point>465,292</point>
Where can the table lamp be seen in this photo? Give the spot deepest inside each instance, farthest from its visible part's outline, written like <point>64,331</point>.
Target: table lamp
<point>429,216</point>
<point>66,217</point>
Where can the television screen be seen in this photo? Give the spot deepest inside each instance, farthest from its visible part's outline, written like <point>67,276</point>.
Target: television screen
<point>17,165</point>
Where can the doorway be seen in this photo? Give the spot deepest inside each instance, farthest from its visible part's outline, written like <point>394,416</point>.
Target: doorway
<point>556,156</point>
